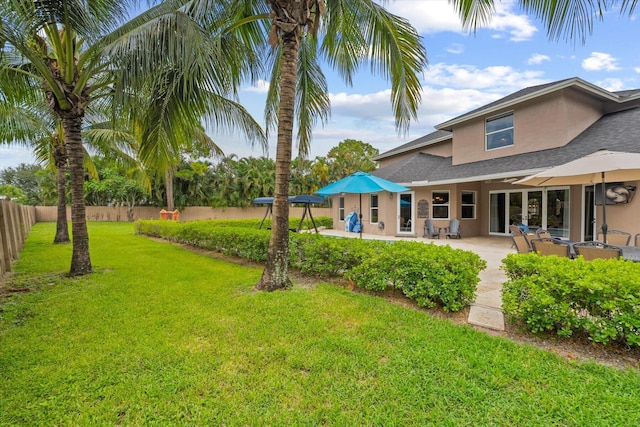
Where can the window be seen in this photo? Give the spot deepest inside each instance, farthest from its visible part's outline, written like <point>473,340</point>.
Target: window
<point>373,210</point>
<point>468,205</point>
<point>341,209</point>
<point>499,131</point>
<point>440,204</point>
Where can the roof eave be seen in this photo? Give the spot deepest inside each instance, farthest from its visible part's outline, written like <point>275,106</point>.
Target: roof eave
<point>501,175</point>
<point>412,148</point>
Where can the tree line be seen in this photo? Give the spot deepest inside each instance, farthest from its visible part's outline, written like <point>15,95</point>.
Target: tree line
<point>226,182</point>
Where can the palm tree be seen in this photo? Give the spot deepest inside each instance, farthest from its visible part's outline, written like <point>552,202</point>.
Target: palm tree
<point>33,126</point>
<point>74,54</point>
<point>352,33</point>
<point>569,19</point>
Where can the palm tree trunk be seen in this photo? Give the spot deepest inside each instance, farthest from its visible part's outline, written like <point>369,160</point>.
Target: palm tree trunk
<point>62,229</point>
<point>168,185</point>
<point>275,275</point>
<point>80,259</point>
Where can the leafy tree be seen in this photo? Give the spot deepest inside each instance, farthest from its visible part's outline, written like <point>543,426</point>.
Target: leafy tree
<point>351,156</point>
<point>8,191</point>
<point>113,188</point>
<point>25,178</point>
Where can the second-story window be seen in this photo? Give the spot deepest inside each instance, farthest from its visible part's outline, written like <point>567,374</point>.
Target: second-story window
<point>499,131</point>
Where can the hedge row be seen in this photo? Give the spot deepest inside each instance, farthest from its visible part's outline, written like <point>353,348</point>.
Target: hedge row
<point>600,298</point>
<point>430,274</point>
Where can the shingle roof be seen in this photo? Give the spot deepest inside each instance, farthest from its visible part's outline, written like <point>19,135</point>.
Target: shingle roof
<point>618,131</point>
<point>532,92</point>
<point>428,139</point>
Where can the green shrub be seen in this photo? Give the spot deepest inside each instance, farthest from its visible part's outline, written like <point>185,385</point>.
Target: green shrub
<point>600,298</point>
<point>322,221</point>
<point>329,256</point>
<point>427,273</point>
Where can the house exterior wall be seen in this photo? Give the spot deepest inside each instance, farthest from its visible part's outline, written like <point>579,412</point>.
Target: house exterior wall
<point>547,122</point>
<point>624,217</point>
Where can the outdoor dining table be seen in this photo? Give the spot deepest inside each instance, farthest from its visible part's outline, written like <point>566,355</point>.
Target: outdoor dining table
<point>631,253</point>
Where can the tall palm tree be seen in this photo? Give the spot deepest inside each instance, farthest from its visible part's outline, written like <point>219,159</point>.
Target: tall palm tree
<point>347,34</point>
<point>74,53</point>
<point>34,127</point>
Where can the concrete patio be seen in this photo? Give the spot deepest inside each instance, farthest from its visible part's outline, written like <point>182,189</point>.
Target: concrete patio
<point>486,310</point>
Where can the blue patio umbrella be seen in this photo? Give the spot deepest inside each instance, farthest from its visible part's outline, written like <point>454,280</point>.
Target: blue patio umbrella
<point>359,183</point>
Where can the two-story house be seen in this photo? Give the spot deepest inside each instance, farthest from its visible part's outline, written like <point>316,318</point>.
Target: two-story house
<point>466,168</point>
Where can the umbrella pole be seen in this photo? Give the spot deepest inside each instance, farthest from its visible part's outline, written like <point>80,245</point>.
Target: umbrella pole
<point>360,213</point>
<point>604,212</point>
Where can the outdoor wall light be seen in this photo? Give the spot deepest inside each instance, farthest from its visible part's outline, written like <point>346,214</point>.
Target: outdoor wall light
<point>391,195</point>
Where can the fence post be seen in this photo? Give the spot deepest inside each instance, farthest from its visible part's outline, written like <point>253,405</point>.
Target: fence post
<point>15,229</point>
<point>5,236</point>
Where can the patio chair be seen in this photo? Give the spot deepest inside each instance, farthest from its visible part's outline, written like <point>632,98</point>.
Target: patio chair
<point>430,230</point>
<point>615,237</point>
<point>453,230</point>
<point>541,233</point>
<point>546,246</point>
<point>521,243</point>
<point>596,250</point>
<point>515,230</point>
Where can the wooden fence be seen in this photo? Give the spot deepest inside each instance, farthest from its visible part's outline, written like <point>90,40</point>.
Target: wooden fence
<point>15,223</point>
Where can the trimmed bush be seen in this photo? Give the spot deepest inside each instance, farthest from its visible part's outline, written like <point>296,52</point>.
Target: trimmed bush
<point>430,274</point>
<point>600,298</point>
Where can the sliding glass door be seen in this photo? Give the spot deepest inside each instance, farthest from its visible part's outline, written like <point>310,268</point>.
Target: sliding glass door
<point>532,209</point>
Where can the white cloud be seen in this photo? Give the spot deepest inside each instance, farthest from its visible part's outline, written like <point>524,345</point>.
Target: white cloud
<point>537,58</point>
<point>599,61</point>
<point>498,79</point>
<point>456,48</point>
<point>261,86</point>
<point>435,16</point>
<point>637,70</point>
<point>611,85</point>
<point>12,157</point>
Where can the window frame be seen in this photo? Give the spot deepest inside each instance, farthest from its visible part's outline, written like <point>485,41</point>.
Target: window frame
<point>341,209</point>
<point>373,208</point>
<point>473,205</point>
<point>510,129</point>
<point>435,205</point>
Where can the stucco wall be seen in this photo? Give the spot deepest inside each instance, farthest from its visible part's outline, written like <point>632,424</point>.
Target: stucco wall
<point>546,122</point>
<point>103,213</point>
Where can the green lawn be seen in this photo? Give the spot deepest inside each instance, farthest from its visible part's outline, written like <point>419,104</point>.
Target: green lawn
<point>163,336</point>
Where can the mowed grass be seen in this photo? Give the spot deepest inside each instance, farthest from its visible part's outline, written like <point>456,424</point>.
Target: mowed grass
<point>162,336</point>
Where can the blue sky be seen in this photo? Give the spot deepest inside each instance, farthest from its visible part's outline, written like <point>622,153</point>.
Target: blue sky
<point>465,71</point>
